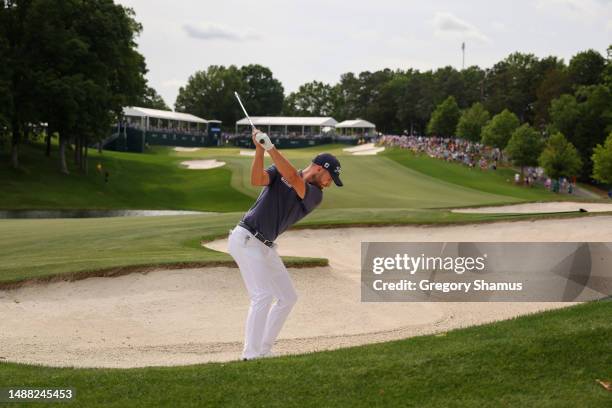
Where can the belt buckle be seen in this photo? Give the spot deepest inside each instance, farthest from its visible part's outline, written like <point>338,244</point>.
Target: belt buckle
<point>260,237</point>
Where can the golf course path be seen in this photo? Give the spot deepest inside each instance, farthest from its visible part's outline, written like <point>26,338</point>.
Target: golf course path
<point>189,316</point>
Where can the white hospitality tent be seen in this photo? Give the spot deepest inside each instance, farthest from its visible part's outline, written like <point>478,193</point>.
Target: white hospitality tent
<point>356,127</point>
<point>289,125</point>
<point>146,118</point>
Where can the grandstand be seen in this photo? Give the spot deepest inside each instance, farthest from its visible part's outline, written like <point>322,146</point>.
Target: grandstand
<point>144,126</point>
<point>356,128</point>
<point>299,131</point>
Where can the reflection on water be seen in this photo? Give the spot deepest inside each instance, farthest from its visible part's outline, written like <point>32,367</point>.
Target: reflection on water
<point>90,213</point>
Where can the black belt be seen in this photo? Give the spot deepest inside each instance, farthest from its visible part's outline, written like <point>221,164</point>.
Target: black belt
<point>256,233</point>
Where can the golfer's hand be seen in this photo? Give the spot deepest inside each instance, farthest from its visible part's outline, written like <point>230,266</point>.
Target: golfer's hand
<point>253,134</point>
<point>261,139</point>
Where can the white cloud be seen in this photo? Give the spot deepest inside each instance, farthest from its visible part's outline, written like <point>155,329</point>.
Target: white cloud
<point>447,25</point>
<point>586,10</point>
<point>209,31</point>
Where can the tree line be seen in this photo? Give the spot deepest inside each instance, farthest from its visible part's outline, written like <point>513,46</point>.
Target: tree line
<point>71,65</point>
<point>487,105</point>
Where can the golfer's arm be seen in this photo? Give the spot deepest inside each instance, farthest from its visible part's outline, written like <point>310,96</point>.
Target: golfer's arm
<point>259,177</point>
<point>289,172</point>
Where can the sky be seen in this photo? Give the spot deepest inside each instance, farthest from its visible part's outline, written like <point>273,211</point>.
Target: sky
<point>303,41</point>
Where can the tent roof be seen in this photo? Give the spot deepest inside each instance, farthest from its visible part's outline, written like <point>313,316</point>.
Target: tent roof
<point>289,121</point>
<point>356,123</point>
<point>161,114</point>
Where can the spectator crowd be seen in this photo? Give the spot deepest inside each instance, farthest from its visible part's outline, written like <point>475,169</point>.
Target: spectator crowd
<point>469,153</point>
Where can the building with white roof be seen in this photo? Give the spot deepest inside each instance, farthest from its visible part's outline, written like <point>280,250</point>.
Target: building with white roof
<point>291,126</point>
<point>147,118</point>
<point>356,127</point>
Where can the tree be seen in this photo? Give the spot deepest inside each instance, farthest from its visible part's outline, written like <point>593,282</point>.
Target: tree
<point>264,92</point>
<point>20,90</point>
<point>556,82</point>
<point>524,147</point>
<point>416,101</point>
<point>311,99</point>
<point>511,84</point>
<point>602,161</point>
<point>564,113</point>
<point>345,98</point>
<point>560,158</point>
<point>585,118</point>
<point>84,68</point>
<point>210,94</point>
<point>498,130</point>
<point>151,99</point>
<point>586,68</point>
<point>444,119</point>
<point>472,121</point>
<point>5,77</point>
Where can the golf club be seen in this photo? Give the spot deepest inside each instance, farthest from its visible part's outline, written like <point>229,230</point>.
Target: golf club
<point>262,135</point>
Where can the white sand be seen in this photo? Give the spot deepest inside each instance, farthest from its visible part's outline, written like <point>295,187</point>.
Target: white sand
<point>202,164</point>
<point>538,208</point>
<point>186,149</point>
<point>366,149</point>
<point>251,153</point>
<point>189,316</point>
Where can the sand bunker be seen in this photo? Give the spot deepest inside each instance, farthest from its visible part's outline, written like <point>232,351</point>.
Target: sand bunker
<point>189,316</point>
<point>364,149</point>
<point>186,149</point>
<point>251,153</point>
<point>202,164</point>
<point>530,208</point>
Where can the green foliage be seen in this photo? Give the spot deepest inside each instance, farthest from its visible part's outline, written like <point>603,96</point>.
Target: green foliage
<point>564,113</point>
<point>560,158</point>
<point>444,119</point>
<point>586,68</point>
<point>210,94</point>
<point>497,131</point>
<point>512,83</point>
<point>555,83</point>
<point>311,99</point>
<point>585,118</point>
<point>472,121</point>
<point>525,146</point>
<point>151,99</point>
<point>264,92</point>
<point>602,161</point>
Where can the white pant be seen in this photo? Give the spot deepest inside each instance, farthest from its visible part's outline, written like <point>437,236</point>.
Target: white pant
<point>265,278</point>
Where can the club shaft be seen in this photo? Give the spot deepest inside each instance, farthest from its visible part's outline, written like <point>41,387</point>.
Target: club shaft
<point>244,110</point>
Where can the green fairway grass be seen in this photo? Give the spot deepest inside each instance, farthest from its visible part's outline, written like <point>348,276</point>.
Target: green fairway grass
<point>396,179</point>
<point>499,182</point>
<point>137,181</point>
<point>549,359</point>
<point>156,180</point>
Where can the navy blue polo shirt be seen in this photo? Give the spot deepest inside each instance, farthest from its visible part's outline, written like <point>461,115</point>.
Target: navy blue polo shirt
<point>278,206</point>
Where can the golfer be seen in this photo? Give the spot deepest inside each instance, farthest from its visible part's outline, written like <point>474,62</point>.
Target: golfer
<point>288,196</point>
